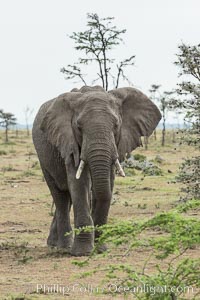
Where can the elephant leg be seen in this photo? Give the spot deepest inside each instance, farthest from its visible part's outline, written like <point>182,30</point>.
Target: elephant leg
<point>100,248</point>
<point>53,235</point>
<point>80,195</point>
<point>99,216</point>
<point>61,221</point>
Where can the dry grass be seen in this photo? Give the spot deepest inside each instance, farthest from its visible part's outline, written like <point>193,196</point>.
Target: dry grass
<point>25,260</point>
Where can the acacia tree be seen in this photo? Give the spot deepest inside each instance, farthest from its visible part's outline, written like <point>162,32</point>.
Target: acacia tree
<point>163,100</point>
<point>188,101</point>
<point>96,43</point>
<point>6,120</point>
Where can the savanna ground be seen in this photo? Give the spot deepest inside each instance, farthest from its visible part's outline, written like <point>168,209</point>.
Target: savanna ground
<point>26,263</point>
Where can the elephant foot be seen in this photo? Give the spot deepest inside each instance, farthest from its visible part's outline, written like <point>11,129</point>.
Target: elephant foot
<point>83,245</point>
<point>64,243</point>
<point>83,251</point>
<point>52,240</point>
<point>101,248</point>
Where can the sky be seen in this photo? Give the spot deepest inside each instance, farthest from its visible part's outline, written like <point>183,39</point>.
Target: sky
<point>34,45</point>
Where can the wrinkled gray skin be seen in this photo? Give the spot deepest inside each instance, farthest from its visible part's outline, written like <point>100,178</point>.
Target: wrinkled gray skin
<point>97,127</point>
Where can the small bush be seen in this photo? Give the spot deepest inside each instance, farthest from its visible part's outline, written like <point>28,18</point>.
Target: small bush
<point>3,152</point>
<point>152,171</point>
<point>189,205</point>
<point>180,272</point>
<point>189,175</point>
<point>141,163</point>
<point>139,157</point>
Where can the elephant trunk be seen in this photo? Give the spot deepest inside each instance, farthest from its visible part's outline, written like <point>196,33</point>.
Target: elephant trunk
<point>101,155</point>
<point>99,162</point>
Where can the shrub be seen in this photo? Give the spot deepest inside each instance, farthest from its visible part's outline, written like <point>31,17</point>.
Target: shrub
<point>152,171</point>
<point>189,175</point>
<point>176,277</point>
<point>3,152</point>
<point>139,157</point>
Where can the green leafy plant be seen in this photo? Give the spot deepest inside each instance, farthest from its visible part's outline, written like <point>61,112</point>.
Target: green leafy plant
<point>178,276</point>
<point>189,175</point>
<point>139,157</point>
<point>189,205</point>
<point>187,101</point>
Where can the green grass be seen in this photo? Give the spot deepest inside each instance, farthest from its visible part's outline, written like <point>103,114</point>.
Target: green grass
<point>8,169</point>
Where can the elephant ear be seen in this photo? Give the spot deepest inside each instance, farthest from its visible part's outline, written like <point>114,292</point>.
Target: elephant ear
<point>140,117</point>
<point>57,125</point>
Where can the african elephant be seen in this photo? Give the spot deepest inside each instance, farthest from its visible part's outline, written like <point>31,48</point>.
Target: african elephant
<point>80,138</point>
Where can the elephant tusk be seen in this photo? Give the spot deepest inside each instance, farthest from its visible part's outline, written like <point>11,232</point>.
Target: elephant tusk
<point>80,169</point>
<point>119,168</point>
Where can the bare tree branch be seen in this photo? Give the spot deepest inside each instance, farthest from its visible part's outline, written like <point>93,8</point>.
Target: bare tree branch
<point>126,62</point>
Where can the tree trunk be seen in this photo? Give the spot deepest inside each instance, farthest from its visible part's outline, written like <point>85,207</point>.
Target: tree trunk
<point>17,133</point>
<point>6,134</point>
<point>163,136</point>
<point>163,130</point>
